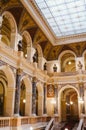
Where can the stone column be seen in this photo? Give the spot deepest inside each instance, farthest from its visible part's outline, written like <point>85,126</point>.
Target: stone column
<point>17,92</point>
<point>45,91</point>
<point>18,38</point>
<point>30,53</point>
<point>81,91</point>
<point>1,19</point>
<point>56,99</point>
<point>85,96</point>
<point>63,109</point>
<point>41,61</point>
<point>34,96</point>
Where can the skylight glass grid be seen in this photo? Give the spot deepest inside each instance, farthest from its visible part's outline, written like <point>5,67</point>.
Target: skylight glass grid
<point>65,17</point>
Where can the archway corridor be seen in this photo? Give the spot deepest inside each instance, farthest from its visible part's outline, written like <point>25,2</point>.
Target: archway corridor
<point>69,105</point>
<point>69,108</point>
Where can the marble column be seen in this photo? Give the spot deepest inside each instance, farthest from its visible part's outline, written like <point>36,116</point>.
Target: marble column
<point>56,99</point>
<point>81,91</point>
<point>34,96</point>
<point>45,90</point>
<point>17,92</point>
<point>1,19</point>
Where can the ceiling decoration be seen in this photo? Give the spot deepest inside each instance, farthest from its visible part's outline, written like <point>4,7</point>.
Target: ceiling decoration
<point>65,17</point>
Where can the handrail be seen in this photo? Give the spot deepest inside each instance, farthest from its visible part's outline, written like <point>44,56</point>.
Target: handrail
<point>50,124</point>
<point>80,124</point>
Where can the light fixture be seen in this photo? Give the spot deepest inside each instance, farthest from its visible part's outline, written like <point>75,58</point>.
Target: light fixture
<point>81,100</point>
<point>69,63</point>
<point>67,104</point>
<point>53,101</point>
<point>31,128</point>
<point>24,100</point>
<point>66,128</point>
<point>25,55</point>
<point>71,102</point>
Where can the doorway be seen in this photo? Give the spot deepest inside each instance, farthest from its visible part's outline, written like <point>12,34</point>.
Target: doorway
<point>1,99</point>
<point>69,105</point>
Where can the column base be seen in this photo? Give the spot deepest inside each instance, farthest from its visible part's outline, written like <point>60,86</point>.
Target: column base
<point>35,65</point>
<point>45,115</point>
<point>34,115</point>
<point>56,114</point>
<point>16,115</point>
<point>45,71</point>
<point>80,71</point>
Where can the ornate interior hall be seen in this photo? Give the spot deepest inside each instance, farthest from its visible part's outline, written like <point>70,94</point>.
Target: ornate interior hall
<point>42,64</point>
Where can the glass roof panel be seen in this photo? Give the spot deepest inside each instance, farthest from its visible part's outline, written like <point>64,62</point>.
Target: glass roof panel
<point>65,17</point>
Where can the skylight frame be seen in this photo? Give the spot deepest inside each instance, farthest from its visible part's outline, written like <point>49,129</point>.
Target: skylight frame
<point>75,30</point>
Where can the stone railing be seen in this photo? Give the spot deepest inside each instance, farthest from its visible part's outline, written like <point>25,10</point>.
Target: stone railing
<point>63,73</point>
<point>8,49</point>
<point>5,122</point>
<point>80,126</point>
<point>50,124</point>
<point>18,121</point>
<point>16,59</point>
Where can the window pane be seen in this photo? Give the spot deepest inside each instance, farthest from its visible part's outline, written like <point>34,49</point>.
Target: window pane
<point>65,17</point>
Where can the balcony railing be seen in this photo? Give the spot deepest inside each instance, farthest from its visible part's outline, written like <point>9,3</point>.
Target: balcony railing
<point>19,121</point>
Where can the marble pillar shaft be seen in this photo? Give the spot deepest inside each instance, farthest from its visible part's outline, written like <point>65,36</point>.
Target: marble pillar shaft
<point>17,92</point>
<point>33,97</point>
<point>44,100</point>
<point>81,91</point>
<point>56,99</point>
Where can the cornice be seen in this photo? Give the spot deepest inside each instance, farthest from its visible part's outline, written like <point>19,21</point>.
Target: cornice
<point>16,60</point>
<point>38,18</point>
<point>71,39</point>
<point>32,8</point>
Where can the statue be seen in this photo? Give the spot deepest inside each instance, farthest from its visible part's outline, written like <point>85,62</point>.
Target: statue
<point>45,67</point>
<point>20,46</point>
<point>80,65</point>
<point>55,68</point>
<point>35,57</point>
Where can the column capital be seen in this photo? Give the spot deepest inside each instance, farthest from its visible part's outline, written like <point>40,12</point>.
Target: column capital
<point>34,79</point>
<point>81,84</point>
<point>55,85</point>
<point>19,71</point>
<point>45,85</point>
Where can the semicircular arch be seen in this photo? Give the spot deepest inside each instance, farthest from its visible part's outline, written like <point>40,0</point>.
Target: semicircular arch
<point>28,38</point>
<point>64,52</point>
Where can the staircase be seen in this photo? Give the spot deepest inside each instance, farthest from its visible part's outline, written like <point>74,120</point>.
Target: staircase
<point>71,125</point>
<point>63,125</point>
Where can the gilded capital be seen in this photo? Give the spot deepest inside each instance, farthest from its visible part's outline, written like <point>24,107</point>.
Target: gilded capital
<point>19,71</point>
<point>34,79</point>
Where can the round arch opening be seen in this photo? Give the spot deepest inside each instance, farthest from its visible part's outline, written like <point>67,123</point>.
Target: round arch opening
<point>68,107</point>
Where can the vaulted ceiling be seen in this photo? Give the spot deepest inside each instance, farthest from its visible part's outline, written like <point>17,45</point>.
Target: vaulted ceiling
<point>25,21</point>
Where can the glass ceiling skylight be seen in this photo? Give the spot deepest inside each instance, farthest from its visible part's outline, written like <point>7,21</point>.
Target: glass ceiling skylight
<point>65,17</point>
